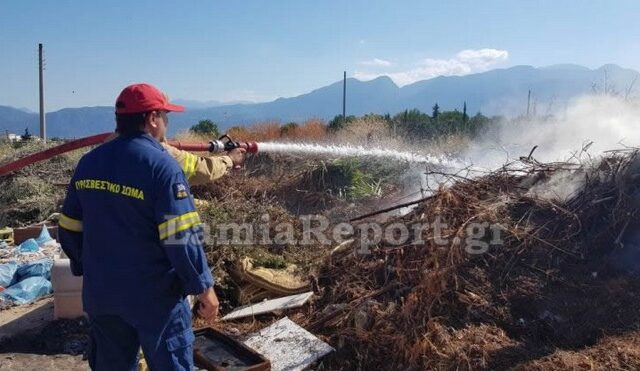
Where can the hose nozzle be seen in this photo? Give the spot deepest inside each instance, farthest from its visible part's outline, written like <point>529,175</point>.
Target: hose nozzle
<point>225,143</point>
<point>251,147</point>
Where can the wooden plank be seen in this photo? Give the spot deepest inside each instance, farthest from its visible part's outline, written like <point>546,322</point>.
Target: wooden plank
<point>286,302</point>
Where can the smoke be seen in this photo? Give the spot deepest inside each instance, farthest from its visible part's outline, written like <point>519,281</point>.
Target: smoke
<point>581,133</point>
<point>587,127</point>
<point>562,186</point>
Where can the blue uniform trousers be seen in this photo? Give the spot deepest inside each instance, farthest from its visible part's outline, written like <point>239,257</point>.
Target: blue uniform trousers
<point>166,340</point>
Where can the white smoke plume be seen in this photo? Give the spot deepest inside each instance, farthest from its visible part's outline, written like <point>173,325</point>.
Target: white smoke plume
<point>599,122</point>
<point>590,126</point>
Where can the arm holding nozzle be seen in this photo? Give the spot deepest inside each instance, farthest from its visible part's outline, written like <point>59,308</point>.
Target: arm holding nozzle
<point>200,169</point>
<point>237,155</point>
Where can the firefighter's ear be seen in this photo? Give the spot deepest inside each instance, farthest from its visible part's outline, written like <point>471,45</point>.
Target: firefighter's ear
<point>151,120</point>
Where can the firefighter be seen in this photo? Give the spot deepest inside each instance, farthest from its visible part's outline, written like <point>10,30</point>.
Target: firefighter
<point>201,169</point>
<point>130,228</point>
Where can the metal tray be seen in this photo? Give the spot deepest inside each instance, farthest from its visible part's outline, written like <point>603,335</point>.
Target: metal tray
<point>216,351</point>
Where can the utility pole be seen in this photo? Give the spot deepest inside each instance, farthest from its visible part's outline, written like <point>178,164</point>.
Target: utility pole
<point>528,102</point>
<point>43,124</point>
<point>344,96</point>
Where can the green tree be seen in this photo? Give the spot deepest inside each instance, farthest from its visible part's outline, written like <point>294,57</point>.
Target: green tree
<point>413,124</point>
<point>340,122</point>
<point>465,117</point>
<point>451,122</point>
<point>205,127</point>
<point>436,112</point>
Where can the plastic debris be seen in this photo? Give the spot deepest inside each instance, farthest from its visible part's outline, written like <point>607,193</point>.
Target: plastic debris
<point>8,274</point>
<point>28,246</point>
<point>27,290</point>
<point>38,268</point>
<point>44,236</point>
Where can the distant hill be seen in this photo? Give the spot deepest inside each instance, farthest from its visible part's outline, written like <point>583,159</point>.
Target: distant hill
<point>196,104</point>
<point>499,91</point>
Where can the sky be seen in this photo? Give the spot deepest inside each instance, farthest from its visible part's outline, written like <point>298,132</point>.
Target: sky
<point>260,50</point>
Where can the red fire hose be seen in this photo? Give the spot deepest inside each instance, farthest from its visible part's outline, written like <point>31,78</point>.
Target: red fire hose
<point>97,139</point>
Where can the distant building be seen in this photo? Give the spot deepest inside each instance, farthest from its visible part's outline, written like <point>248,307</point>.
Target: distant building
<point>10,137</point>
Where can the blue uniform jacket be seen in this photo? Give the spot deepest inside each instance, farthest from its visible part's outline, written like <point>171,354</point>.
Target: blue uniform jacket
<point>131,230</point>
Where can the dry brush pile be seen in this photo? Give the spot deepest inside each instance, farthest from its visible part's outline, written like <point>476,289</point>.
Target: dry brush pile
<point>553,282</point>
<point>31,194</point>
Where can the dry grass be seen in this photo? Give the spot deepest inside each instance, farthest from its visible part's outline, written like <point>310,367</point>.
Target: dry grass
<point>34,192</point>
<point>310,130</point>
<point>364,130</point>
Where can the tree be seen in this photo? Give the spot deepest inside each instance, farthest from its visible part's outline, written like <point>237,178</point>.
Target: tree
<point>436,112</point>
<point>340,122</point>
<point>465,117</point>
<point>205,127</point>
<point>413,123</point>
<point>450,123</point>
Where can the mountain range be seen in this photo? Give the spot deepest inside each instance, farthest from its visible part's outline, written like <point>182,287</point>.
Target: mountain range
<point>498,91</point>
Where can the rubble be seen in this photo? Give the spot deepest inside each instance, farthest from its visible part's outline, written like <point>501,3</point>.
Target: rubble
<point>25,270</point>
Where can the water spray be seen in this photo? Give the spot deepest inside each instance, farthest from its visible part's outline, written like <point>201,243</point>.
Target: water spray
<point>344,151</point>
<point>225,143</point>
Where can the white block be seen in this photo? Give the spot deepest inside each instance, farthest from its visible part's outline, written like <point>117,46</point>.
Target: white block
<point>67,305</point>
<point>62,279</point>
<point>67,290</point>
<point>288,346</point>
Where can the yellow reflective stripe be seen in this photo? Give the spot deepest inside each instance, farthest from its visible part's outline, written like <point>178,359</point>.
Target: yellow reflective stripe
<point>178,224</point>
<point>194,164</point>
<point>70,224</point>
<point>189,165</point>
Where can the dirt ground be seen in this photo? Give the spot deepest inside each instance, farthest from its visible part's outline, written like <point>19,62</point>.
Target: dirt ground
<point>31,340</point>
<point>38,362</point>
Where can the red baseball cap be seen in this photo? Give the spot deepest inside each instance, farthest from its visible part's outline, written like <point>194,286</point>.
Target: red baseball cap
<point>138,98</point>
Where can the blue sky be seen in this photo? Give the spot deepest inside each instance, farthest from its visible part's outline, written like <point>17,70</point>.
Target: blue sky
<point>263,49</point>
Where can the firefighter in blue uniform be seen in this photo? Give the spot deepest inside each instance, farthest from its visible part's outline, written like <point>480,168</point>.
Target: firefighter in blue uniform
<point>131,230</point>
